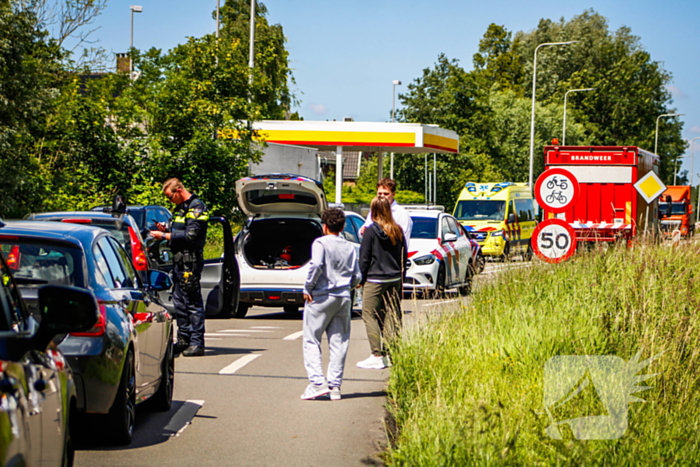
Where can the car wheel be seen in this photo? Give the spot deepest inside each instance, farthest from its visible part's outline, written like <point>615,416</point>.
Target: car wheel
<point>123,412</point>
<point>241,310</point>
<point>162,400</point>
<point>291,309</point>
<point>480,263</point>
<point>439,291</point>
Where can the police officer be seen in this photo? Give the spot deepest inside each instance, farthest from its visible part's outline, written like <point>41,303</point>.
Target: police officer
<point>186,236</point>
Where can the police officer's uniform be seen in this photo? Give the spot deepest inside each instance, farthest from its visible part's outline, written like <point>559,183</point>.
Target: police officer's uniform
<point>187,237</point>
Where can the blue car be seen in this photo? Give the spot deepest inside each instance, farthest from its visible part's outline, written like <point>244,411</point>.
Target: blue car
<point>127,356</point>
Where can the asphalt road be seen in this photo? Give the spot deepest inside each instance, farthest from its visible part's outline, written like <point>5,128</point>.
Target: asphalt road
<point>240,405</point>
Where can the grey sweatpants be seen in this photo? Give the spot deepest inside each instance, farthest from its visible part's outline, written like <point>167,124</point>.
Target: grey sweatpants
<point>331,315</point>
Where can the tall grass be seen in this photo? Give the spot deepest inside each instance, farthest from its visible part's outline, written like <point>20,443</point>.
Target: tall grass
<point>466,387</point>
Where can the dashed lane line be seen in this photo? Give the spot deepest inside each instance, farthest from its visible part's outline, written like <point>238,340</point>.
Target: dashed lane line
<point>208,336</point>
<point>242,330</point>
<point>238,364</point>
<point>182,418</point>
<point>294,336</point>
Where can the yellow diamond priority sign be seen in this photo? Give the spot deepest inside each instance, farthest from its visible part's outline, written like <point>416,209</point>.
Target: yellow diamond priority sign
<point>650,187</point>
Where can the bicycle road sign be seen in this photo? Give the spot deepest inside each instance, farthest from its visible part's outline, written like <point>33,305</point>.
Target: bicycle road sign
<point>557,190</point>
<point>553,240</point>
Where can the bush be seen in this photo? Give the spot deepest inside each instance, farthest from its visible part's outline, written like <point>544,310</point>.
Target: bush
<point>467,387</point>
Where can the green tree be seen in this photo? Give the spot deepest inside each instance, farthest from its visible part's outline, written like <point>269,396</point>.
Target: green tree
<point>27,62</point>
<point>497,62</point>
<point>630,87</point>
<point>272,76</point>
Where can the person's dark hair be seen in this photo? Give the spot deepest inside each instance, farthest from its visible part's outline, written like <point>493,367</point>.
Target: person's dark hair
<point>387,183</point>
<point>334,219</point>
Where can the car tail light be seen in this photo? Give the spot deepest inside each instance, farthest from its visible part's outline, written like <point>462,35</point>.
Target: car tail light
<point>77,221</point>
<point>274,297</point>
<point>99,328</point>
<point>137,253</point>
<point>14,258</point>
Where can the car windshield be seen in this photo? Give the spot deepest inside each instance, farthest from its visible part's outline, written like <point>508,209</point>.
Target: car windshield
<point>676,208</point>
<point>481,210</point>
<point>38,263</point>
<point>424,227</point>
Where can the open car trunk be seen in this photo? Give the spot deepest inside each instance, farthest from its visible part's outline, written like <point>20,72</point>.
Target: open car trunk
<point>279,243</point>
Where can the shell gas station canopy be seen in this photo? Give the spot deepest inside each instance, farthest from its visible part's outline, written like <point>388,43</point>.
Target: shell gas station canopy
<point>405,138</point>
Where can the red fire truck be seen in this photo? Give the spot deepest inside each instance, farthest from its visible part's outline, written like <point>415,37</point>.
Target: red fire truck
<point>608,207</point>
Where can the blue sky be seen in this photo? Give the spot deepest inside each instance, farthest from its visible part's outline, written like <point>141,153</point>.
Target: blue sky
<point>345,54</point>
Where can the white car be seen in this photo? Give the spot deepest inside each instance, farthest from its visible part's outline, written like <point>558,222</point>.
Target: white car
<point>274,247</point>
<point>439,253</point>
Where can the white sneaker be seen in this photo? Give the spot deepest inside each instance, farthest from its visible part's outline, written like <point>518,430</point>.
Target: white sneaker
<point>335,394</point>
<point>374,362</point>
<point>315,390</point>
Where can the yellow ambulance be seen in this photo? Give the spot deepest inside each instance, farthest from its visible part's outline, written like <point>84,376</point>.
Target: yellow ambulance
<point>500,215</point>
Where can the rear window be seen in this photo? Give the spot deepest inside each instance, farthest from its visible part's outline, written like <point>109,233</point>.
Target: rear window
<point>37,263</point>
<point>424,227</point>
<point>263,197</point>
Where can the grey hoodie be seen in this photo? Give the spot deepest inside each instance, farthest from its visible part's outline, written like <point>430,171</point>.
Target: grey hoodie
<point>334,268</point>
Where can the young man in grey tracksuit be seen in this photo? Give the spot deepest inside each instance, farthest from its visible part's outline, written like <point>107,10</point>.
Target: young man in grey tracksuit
<point>333,273</point>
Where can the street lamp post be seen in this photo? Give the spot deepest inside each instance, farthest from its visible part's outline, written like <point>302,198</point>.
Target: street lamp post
<point>656,133</point>
<point>534,86</point>
<point>692,158</point>
<point>217,19</point>
<point>251,51</point>
<point>393,110</point>
<point>563,139</point>
<point>134,9</point>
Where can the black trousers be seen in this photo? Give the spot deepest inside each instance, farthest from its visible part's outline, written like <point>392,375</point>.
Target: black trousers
<point>189,310</point>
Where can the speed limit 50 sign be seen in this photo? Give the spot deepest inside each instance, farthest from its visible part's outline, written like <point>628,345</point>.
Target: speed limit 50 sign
<point>553,240</point>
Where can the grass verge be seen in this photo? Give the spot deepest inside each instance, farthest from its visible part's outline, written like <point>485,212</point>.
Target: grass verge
<point>467,386</point>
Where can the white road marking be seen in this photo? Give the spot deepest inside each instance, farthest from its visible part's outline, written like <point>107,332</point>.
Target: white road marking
<point>225,335</point>
<point>294,336</point>
<point>266,327</point>
<point>242,330</point>
<point>238,364</point>
<point>442,303</point>
<point>182,418</point>
<point>213,339</point>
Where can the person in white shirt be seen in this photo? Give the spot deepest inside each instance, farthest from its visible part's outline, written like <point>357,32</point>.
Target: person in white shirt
<point>386,188</point>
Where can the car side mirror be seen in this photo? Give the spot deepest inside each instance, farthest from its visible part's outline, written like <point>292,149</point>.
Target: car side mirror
<point>511,218</point>
<point>64,309</point>
<point>450,237</point>
<point>158,280</point>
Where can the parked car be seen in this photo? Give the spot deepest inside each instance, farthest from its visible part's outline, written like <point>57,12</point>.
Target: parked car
<point>477,254</point>
<point>126,358</point>
<point>146,216</point>
<point>122,226</point>
<point>38,397</point>
<point>131,225</point>
<point>274,246</point>
<point>440,254</point>
<point>351,233</point>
